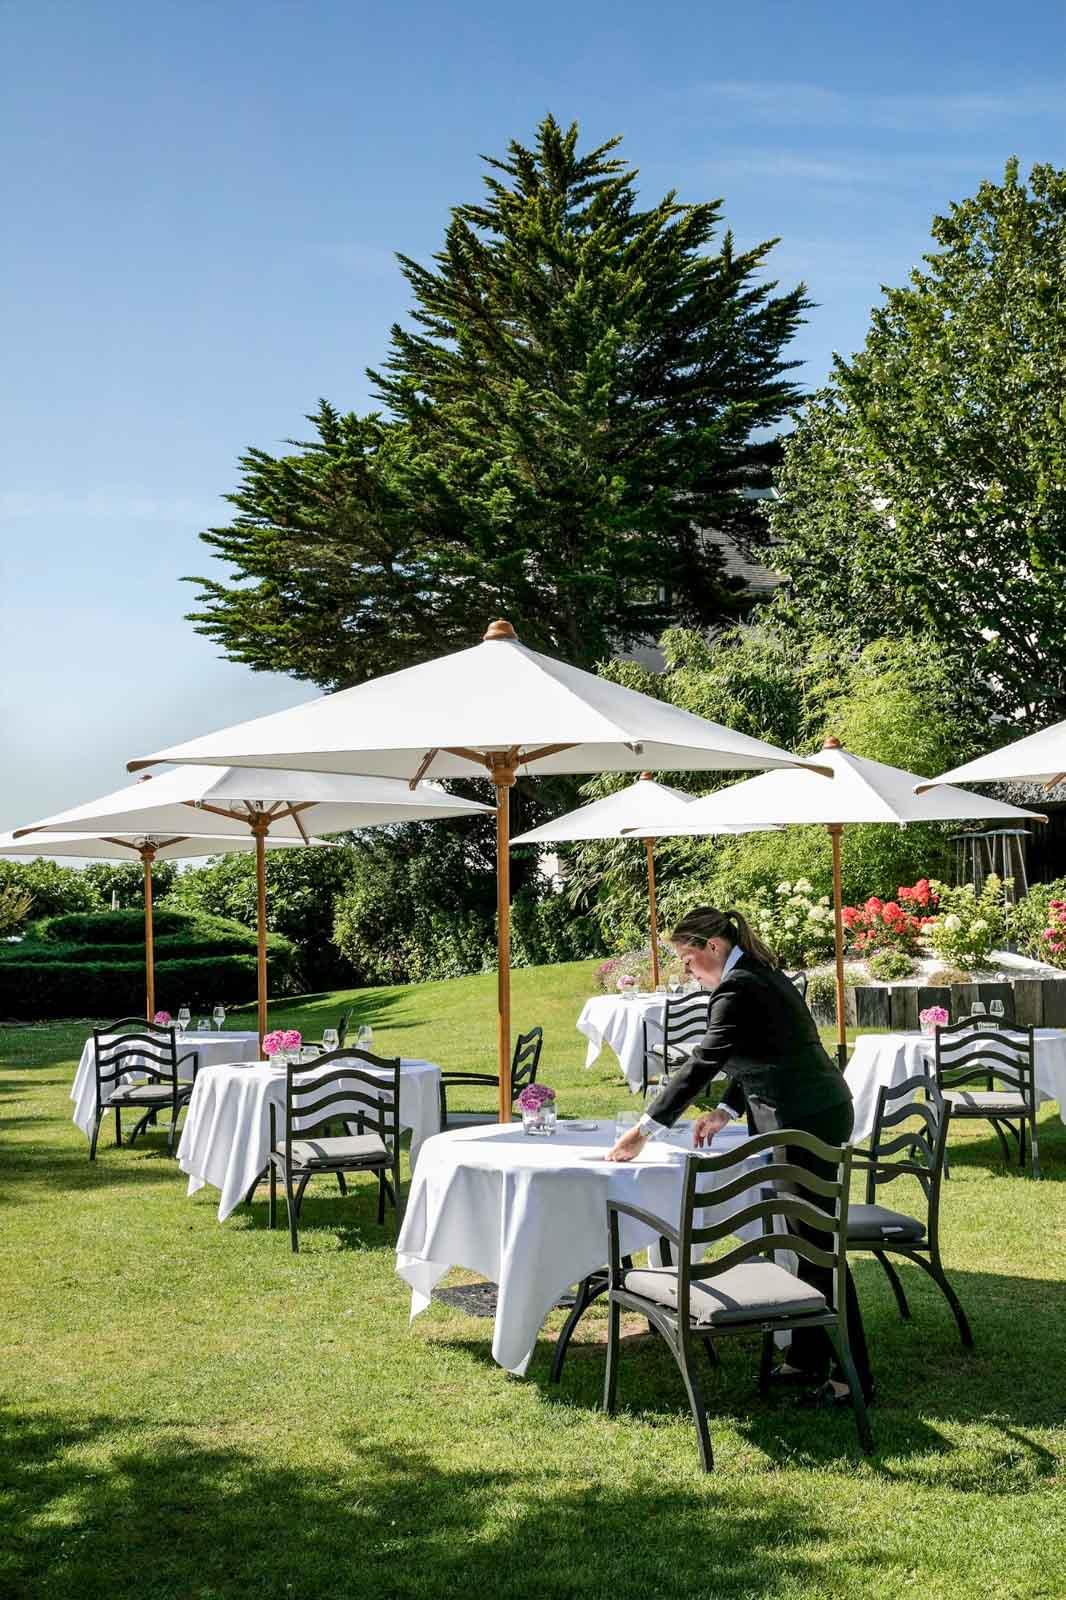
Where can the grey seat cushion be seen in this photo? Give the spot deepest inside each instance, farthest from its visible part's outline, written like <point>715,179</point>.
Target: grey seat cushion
<point>986,1100</point>
<point>336,1151</point>
<point>754,1290</point>
<point>146,1094</point>
<point>878,1222</point>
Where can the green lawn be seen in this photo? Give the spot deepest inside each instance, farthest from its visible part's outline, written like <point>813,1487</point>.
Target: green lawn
<point>192,1412</point>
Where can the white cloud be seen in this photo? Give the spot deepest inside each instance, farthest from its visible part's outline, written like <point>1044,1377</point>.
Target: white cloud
<point>787,104</point>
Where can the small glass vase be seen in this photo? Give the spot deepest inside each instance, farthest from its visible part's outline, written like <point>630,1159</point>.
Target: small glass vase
<point>540,1124</point>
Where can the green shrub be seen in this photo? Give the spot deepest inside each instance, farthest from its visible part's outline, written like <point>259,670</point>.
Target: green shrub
<point>888,965</point>
<point>1031,918</point>
<point>967,926</point>
<point>822,990</point>
<point>944,977</point>
<point>92,964</point>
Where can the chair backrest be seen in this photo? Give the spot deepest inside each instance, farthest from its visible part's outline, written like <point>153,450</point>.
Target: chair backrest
<point>343,1086</point>
<point>133,1045</point>
<point>342,1026</point>
<point>918,1148</point>
<point>769,1203</point>
<point>966,1054</point>
<point>685,1019</point>
<point>526,1060</point>
<point>800,981</point>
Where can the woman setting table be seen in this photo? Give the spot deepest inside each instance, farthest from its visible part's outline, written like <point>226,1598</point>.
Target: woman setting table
<point>762,1036</point>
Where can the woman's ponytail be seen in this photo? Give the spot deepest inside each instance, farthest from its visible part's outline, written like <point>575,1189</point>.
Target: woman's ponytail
<point>707,922</point>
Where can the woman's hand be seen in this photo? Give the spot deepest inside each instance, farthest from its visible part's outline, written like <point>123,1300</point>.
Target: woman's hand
<point>707,1125</point>
<point>628,1146</point>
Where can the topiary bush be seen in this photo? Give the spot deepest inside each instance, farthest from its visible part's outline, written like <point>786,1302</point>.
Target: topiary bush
<point>92,964</point>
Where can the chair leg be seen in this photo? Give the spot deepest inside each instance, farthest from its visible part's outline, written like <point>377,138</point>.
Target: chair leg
<point>587,1291</point>
<point>273,1214</point>
<point>173,1130</point>
<point>290,1206</point>
<point>304,1181</point>
<point>341,1185</point>
<point>256,1181</point>
<point>1004,1146</point>
<point>695,1400</point>
<point>897,1287</point>
<point>381,1199</point>
<point>610,1376</point>
<point>934,1267</point>
<point>118,1126</point>
<point>97,1119</point>
<point>1033,1147</point>
<point>766,1361</point>
<point>858,1402</point>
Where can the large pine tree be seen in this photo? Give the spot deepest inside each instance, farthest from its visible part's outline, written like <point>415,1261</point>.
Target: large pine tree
<point>586,385</point>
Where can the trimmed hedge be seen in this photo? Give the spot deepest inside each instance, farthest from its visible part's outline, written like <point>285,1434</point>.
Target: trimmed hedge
<point>92,964</point>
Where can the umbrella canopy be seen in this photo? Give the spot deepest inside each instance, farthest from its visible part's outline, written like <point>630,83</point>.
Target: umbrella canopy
<point>146,848</point>
<point>253,806</point>
<point>496,709</point>
<point>1039,758</point>
<point>862,791</point>
<point>628,811</point>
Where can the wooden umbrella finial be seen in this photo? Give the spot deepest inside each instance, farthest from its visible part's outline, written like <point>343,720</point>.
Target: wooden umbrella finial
<point>831,742</point>
<point>499,630</point>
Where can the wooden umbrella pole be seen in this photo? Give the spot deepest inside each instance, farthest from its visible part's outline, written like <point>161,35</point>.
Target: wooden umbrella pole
<point>260,828</point>
<point>502,769</point>
<point>835,831</point>
<point>148,856</point>
<point>653,914</point>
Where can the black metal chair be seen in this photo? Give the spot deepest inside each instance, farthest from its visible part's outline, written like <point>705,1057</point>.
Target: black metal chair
<point>1003,1060</point>
<point>524,1064</point>
<point>350,1087</point>
<point>919,1152</point>
<point>684,1023</point>
<point>739,1292</point>
<point>150,1050</point>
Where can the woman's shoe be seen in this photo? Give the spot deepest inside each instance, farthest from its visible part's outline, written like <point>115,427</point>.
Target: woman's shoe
<point>826,1398</point>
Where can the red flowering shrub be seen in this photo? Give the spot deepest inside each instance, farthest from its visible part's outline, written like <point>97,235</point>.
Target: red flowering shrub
<point>884,925</point>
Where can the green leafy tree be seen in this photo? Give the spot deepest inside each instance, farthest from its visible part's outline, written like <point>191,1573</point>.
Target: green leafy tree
<point>924,489</point>
<point>55,889</point>
<point>125,879</point>
<point>585,386</point>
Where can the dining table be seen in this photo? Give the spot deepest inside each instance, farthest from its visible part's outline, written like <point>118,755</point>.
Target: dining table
<point>618,1021</point>
<point>530,1214</point>
<point>888,1059</point>
<point>211,1049</point>
<point>225,1141</point>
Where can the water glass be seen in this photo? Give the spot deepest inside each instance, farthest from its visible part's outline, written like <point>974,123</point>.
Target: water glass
<point>660,988</point>
<point>184,1018</point>
<point>330,1039</point>
<point>365,1036</point>
<point>219,1015</point>
<point>624,1120</point>
<point>978,1013</point>
<point>203,1026</point>
<point>674,986</point>
<point>997,1013</point>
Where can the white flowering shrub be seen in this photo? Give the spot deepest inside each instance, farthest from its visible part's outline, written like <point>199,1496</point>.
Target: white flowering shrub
<point>968,926</point>
<point>794,922</point>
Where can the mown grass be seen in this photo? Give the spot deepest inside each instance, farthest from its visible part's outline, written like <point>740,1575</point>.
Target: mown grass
<point>192,1413</point>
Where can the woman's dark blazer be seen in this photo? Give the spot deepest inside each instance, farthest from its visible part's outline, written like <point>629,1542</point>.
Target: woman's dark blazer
<point>761,1034</point>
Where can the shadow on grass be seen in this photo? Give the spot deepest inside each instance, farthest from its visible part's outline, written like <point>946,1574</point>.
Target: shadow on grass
<point>104,1505</point>
<point>984,1154</point>
<point>925,1382</point>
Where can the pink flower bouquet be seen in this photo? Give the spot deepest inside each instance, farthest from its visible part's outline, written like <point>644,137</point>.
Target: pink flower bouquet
<point>537,1105</point>
<point>273,1042</point>
<point>291,1039</point>
<point>627,985</point>
<point>535,1095</point>
<point>932,1017</point>
<point>161,1018</point>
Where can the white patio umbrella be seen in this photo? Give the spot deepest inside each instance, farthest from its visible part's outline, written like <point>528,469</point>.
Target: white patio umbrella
<point>253,805</point>
<point>497,709</point>
<point>628,812</point>
<point>147,848</point>
<point>1038,758</point>
<point>862,791</point>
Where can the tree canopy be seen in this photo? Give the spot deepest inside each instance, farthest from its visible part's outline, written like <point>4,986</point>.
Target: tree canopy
<point>586,384</point>
<point>924,489</point>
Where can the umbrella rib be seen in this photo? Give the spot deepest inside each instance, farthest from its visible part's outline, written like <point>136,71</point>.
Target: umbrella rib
<point>294,813</point>
<point>423,767</point>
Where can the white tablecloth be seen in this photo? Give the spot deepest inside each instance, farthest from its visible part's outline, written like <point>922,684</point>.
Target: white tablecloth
<point>211,1047</point>
<point>531,1215</point>
<point>608,1019</point>
<point>226,1138</point>
<point>891,1058</point>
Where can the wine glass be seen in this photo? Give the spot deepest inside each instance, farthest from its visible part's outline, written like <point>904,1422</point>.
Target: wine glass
<point>674,986</point>
<point>365,1036</point>
<point>624,1120</point>
<point>330,1040</point>
<point>219,1015</point>
<point>184,1018</point>
<point>997,1013</point>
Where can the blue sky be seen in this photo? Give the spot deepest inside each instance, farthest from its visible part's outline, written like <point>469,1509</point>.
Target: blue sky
<point>202,202</point>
